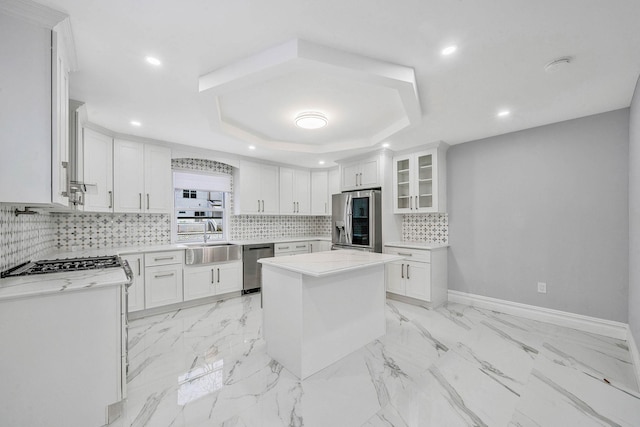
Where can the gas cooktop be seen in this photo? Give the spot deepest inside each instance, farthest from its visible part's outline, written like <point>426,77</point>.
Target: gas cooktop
<point>60,265</point>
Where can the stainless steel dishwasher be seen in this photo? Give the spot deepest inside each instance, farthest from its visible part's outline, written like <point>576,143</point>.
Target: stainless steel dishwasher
<point>252,270</point>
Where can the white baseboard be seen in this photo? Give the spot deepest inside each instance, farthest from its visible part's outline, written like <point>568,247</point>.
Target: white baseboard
<point>635,354</point>
<point>594,325</point>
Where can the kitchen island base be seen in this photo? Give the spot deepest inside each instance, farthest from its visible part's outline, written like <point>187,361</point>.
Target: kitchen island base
<point>311,322</point>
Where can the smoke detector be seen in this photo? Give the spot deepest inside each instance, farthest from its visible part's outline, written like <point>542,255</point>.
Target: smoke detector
<point>557,64</point>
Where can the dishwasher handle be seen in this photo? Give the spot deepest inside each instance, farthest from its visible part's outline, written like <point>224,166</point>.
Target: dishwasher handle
<point>259,248</point>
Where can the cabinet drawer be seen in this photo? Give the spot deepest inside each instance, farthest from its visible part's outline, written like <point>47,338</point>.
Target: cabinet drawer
<point>163,285</point>
<point>289,248</point>
<point>163,258</point>
<point>410,254</point>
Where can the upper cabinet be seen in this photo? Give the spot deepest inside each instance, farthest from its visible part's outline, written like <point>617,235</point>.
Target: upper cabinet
<point>141,177</point>
<point>256,189</point>
<point>34,107</point>
<point>320,193</point>
<point>295,188</point>
<point>97,161</point>
<point>360,174</point>
<point>419,181</point>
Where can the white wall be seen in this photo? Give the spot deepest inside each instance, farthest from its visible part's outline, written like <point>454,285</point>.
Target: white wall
<point>634,215</point>
<point>548,204</point>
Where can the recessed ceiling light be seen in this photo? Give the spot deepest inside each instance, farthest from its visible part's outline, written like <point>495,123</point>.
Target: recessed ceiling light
<point>449,50</point>
<point>321,162</point>
<point>153,61</point>
<point>135,123</point>
<point>504,113</point>
<point>385,145</point>
<point>311,120</point>
<point>252,147</point>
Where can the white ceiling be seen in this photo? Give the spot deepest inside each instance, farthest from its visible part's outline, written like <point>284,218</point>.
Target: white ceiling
<point>503,46</point>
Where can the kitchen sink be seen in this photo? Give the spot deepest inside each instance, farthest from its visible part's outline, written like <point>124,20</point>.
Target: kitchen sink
<point>209,253</point>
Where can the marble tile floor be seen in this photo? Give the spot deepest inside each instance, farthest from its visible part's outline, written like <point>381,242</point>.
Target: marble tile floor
<point>452,366</point>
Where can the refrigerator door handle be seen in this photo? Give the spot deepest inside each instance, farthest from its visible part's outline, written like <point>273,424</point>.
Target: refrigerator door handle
<point>349,220</point>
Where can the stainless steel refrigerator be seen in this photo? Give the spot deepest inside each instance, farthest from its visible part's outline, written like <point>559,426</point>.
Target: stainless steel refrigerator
<point>356,220</point>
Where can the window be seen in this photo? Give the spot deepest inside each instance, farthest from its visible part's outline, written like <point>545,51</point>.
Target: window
<point>200,202</point>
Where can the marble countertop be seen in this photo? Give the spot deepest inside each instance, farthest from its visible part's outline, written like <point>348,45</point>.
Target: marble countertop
<point>321,264</point>
<point>54,283</point>
<point>418,245</point>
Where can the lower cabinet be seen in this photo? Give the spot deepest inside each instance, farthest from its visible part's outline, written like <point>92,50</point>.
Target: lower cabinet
<point>319,246</point>
<point>136,290</point>
<point>163,285</point>
<point>421,275</point>
<point>290,248</point>
<point>212,279</point>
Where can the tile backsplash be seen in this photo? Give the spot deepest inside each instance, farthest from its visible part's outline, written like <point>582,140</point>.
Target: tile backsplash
<point>247,227</point>
<point>24,237</point>
<point>425,228</point>
<point>85,230</point>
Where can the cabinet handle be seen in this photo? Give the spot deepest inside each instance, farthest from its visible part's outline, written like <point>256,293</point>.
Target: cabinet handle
<point>110,199</point>
<point>410,202</point>
<point>407,271</point>
<point>213,276</point>
<point>218,275</point>
<point>283,247</point>
<point>402,271</point>
<point>139,269</point>
<point>404,254</point>
<point>157,276</point>
<point>140,201</point>
<point>325,207</point>
<point>416,202</point>
<point>65,192</point>
<point>163,258</point>
<point>294,207</point>
<point>301,246</point>
<point>263,206</point>
<point>148,204</point>
<point>258,205</point>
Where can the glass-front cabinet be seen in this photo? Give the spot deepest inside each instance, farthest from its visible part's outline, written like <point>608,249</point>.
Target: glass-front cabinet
<point>419,181</point>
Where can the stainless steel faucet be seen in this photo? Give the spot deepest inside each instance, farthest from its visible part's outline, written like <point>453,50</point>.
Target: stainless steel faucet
<point>209,225</point>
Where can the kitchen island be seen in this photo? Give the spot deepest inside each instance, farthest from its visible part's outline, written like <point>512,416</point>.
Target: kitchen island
<point>320,307</point>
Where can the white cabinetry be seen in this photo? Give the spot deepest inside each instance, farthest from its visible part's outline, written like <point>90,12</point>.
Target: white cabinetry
<point>142,177</point>
<point>419,181</point>
<point>360,174</point>
<point>256,189</point>
<point>33,109</point>
<point>97,152</point>
<point>213,279</point>
<point>421,275</point>
<point>290,248</point>
<point>295,187</point>
<point>320,193</point>
<point>163,278</point>
<point>319,246</point>
<point>136,290</point>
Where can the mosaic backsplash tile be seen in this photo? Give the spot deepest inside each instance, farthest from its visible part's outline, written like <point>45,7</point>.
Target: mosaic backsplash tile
<point>24,237</point>
<point>425,228</point>
<point>110,230</point>
<point>247,227</point>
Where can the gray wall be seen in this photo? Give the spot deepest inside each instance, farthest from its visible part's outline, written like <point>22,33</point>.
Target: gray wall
<point>634,215</point>
<point>548,204</point>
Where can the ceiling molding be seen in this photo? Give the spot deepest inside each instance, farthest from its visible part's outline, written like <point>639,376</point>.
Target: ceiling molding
<point>33,13</point>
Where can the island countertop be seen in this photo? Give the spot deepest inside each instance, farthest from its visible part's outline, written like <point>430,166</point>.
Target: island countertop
<point>320,264</point>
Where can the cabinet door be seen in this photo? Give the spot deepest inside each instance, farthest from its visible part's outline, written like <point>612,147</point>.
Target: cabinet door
<point>394,272</point>
<point>136,290</point>
<point>350,176</point>
<point>157,179</point>
<point>128,176</point>
<point>403,201</point>
<point>269,194</point>
<point>98,171</point>
<point>418,280</point>
<point>249,188</point>
<point>163,285</point>
<point>301,191</point>
<point>425,181</point>
<point>228,277</point>
<point>199,282</point>
<point>319,246</point>
<point>287,202</point>
<point>60,124</point>
<point>369,174</point>
<point>319,193</point>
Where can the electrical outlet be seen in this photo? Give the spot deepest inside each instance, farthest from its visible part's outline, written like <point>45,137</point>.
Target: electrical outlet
<point>542,287</point>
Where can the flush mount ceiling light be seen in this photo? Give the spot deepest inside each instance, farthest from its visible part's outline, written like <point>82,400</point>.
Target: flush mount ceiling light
<point>385,145</point>
<point>557,64</point>
<point>252,147</point>
<point>321,162</point>
<point>311,120</point>
<point>153,61</point>
<point>449,50</point>
<point>135,123</point>
<point>504,113</point>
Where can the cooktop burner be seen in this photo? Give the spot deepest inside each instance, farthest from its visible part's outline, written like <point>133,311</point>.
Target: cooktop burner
<point>59,265</point>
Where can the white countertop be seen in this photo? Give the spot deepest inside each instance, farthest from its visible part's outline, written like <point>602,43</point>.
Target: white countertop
<point>321,264</point>
<point>418,245</point>
<point>54,283</point>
